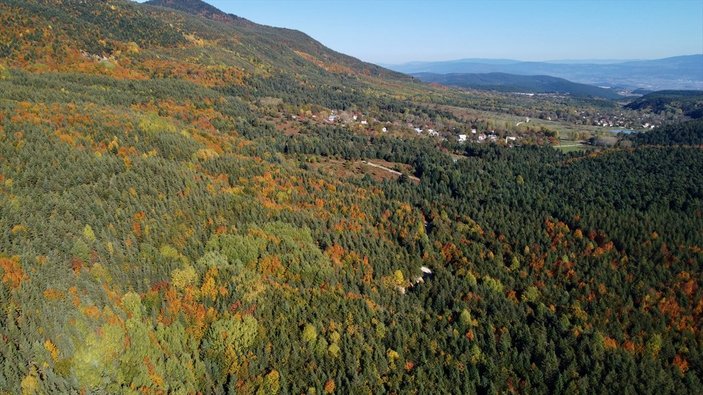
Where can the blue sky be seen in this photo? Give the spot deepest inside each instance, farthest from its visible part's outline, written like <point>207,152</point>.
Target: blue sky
<point>397,31</point>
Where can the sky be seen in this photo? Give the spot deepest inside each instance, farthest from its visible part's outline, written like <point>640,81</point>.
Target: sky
<point>399,31</point>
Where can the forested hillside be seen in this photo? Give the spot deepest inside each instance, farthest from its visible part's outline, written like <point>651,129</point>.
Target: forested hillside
<point>689,103</point>
<point>518,83</point>
<point>179,215</point>
<point>683,133</point>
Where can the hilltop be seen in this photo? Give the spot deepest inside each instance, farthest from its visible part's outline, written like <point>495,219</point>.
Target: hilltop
<point>197,7</point>
<point>186,39</point>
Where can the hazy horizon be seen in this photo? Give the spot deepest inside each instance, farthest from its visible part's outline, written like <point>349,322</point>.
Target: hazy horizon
<point>396,32</point>
<point>556,61</point>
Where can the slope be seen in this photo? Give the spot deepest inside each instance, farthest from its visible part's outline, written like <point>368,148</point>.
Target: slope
<point>683,133</point>
<point>690,103</point>
<point>279,38</point>
<point>136,41</point>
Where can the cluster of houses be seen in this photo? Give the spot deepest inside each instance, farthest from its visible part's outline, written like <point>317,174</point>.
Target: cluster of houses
<point>621,120</point>
<point>619,123</point>
<point>346,118</point>
<point>430,132</point>
<point>481,137</point>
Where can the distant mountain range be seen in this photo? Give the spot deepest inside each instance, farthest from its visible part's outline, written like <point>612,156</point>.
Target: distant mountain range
<point>680,72</point>
<point>518,83</point>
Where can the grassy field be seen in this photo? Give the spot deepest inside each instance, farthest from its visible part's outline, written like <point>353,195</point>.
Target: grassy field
<point>572,146</point>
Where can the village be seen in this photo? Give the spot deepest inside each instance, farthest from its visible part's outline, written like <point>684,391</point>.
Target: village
<point>623,119</point>
<point>365,124</point>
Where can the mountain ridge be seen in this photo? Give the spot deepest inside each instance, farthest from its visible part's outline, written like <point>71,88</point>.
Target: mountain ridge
<point>505,82</point>
<point>291,37</point>
<point>185,38</point>
<point>197,7</point>
<point>678,72</point>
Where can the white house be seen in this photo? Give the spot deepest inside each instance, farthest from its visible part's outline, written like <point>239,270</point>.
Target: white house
<point>473,131</point>
<point>462,138</point>
<point>425,270</point>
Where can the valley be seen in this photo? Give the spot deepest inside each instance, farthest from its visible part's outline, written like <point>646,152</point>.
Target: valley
<point>191,202</point>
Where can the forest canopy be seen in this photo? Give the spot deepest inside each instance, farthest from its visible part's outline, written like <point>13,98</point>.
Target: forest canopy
<point>190,205</point>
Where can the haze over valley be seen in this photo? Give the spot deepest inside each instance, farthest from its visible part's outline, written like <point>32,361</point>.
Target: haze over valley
<point>681,72</point>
